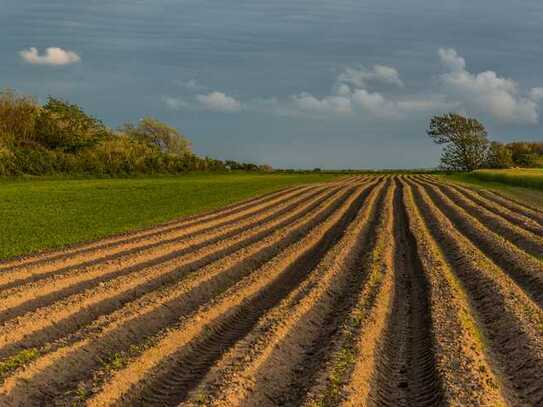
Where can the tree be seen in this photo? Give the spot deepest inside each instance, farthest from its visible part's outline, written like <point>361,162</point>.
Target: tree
<point>65,126</point>
<point>526,154</point>
<point>154,132</point>
<point>499,156</point>
<point>465,141</point>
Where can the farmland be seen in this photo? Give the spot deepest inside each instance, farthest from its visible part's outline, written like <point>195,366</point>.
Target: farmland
<point>525,177</point>
<point>40,213</point>
<point>399,290</point>
<point>523,184</point>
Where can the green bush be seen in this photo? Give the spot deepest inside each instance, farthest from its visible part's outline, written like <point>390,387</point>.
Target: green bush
<point>18,115</point>
<point>65,126</point>
<point>60,138</point>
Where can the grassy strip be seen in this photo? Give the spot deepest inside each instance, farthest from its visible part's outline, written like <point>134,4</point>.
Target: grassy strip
<point>42,214</point>
<point>512,186</point>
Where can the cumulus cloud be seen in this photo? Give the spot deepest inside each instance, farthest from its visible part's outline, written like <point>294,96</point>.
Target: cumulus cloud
<point>175,103</point>
<point>374,103</point>
<point>51,56</point>
<point>536,94</point>
<point>450,58</point>
<point>350,97</point>
<point>219,102</point>
<point>336,104</point>
<point>488,93</point>
<point>360,77</point>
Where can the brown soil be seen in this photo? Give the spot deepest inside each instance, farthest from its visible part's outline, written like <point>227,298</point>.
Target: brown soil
<point>385,291</point>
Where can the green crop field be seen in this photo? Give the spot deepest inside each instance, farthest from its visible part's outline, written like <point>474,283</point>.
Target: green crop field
<point>528,178</point>
<point>523,184</point>
<point>41,214</point>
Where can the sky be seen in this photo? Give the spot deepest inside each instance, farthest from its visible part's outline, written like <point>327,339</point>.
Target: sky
<point>291,83</point>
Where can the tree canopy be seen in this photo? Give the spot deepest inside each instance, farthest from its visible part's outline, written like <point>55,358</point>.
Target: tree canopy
<point>465,139</point>
<point>154,132</point>
<point>66,126</point>
<point>60,138</point>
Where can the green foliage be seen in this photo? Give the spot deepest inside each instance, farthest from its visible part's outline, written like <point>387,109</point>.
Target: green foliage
<point>51,213</point>
<point>60,138</point>
<point>465,141</point>
<point>18,114</point>
<point>499,156</point>
<point>528,178</point>
<point>526,154</point>
<point>524,185</point>
<point>61,125</point>
<point>19,359</point>
<point>155,133</point>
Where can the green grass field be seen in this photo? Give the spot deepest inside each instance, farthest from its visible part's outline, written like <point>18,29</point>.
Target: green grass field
<point>525,185</point>
<point>50,213</point>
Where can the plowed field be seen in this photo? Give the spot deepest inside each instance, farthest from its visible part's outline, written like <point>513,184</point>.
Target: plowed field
<point>370,291</point>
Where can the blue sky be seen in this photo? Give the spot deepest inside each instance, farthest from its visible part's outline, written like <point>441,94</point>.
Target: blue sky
<point>307,83</point>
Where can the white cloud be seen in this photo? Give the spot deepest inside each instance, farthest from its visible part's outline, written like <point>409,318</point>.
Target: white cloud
<point>52,56</point>
<point>375,103</point>
<point>486,92</point>
<point>349,98</point>
<point>361,77</point>
<point>175,103</point>
<point>219,102</point>
<point>450,58</point>
<point>536,94</point>
<point>306,102</point>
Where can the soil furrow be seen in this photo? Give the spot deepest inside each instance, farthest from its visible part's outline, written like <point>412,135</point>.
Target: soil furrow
<point>377,291</point>
<point>526,270</point>
<point>247,301</point>
<point>135,321</point>
<point>65,317</point>
<point>81,248</point>
<point>48,291</point>
<point>406,373</point>
<point>145,248</point>
<point>462,362</point>
<point>268,363</point>
<point>321,347</point>
<point>483,203</point>
<point>50,371</point>
<point>511,322</point>
<point>235,209</point>
<point>173,385</point>
<point>525,240</point>
<point>532,213</point>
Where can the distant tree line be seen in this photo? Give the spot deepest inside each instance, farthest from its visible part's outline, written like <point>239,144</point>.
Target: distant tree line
<point>60,138</point>
<point>467,147</point>
<point>518,154</point>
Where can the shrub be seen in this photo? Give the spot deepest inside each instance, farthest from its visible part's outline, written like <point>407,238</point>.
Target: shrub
<point>65,126</point>
<point>60,138</point>
<point>499,156</point>
<point>152,131</point>
<point>18,114</point>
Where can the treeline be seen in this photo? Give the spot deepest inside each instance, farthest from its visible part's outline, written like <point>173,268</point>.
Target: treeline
<point>518,154</point>
<point>467,147</point>
<point>60,138</point>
